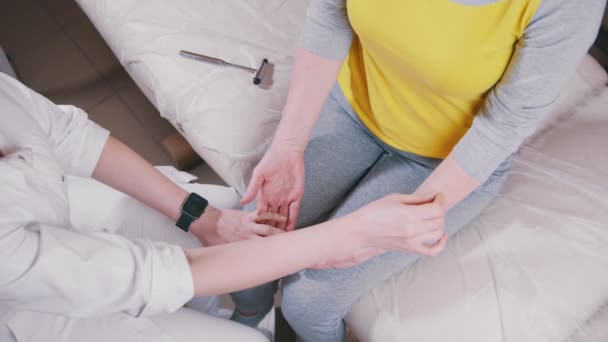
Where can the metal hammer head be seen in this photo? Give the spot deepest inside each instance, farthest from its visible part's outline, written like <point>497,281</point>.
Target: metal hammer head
<point>258,77</point>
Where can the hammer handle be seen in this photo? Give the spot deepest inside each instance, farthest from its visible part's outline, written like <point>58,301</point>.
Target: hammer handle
<point>213,60</point>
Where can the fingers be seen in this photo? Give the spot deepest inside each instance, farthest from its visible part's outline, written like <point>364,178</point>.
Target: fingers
<point>250,236</point>
<point>431,237</point>
<point>266,230</point>
<point>426,226</point>
<point>425,206</point>
<point>292,217</point>
<point>440,199</point>
<point>433,250</point>
<point>272,210</point>
<point>261,207</point>
<point>417,198</point>
<point>284,213</point>
<point>252,190</point>
<point>427,211</point>
<point>259,216</point>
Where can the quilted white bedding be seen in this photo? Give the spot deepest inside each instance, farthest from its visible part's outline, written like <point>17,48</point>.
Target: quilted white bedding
<point>531,268</point>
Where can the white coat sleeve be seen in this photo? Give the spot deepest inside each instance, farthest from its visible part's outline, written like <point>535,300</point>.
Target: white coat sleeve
<point>60,271</point>
<point>76,140</point>
<point>66,131</point>
<point>52,268</point>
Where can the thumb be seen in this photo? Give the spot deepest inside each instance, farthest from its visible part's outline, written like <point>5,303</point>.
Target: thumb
<point>252,190</point>
<point>440,199</point>
<point>419,198</point>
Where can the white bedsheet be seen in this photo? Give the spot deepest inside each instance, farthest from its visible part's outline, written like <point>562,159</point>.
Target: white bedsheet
<point>532,268</point>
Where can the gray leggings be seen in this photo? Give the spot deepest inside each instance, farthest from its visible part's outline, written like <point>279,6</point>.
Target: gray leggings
<point>346,168</point>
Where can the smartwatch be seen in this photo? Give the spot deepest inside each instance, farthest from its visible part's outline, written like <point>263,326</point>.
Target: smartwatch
<point>192,209</point>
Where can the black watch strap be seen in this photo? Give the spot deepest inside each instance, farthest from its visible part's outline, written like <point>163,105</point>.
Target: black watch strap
<point>184,222</point>
<point>193,207</point>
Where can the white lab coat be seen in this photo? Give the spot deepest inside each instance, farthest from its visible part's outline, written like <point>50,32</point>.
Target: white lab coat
<point>67,279</point>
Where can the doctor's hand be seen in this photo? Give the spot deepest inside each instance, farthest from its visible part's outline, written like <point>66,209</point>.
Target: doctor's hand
<point>404,223</point>
<point>278,185</point>
<point>219,226</point>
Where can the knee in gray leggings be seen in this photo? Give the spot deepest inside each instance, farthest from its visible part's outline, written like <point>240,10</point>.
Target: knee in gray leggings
<point>253,304</point>
<point>313,308</point>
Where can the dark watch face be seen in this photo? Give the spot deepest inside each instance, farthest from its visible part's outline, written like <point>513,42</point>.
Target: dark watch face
<point>195,205</point>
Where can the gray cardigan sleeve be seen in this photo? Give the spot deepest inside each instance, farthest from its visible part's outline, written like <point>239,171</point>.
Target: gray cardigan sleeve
<point>546,57</point>
<point>327,31</point>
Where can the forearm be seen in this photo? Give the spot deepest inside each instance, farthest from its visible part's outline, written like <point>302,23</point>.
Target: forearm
<point>312,79</point>
<point>255,262</point>
<point>451,180</point>
<point>124,170</point>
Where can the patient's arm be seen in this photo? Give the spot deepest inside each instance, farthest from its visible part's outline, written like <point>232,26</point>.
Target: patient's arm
<point>312,79</point>
<point>450,179</point>
<point>245,264</point>
<point>545,58</point>
<point>124,170</point>
<point>278,180</point>
<point>395,222</point>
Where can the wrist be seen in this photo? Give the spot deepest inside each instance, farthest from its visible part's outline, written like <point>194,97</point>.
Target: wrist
<point>282,145</point>
<point>180,195</point>
<point>350,234</point>
<point>289,138</point>
<point>205,228</point>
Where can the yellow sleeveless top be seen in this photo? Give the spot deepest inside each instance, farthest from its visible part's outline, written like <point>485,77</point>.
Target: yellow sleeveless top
<point>418,70</point>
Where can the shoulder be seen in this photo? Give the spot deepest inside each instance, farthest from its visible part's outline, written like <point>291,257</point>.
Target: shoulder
<point>10,88</point>
<point>566,19</point>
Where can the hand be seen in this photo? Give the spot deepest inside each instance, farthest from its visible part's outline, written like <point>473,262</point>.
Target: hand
<point>278,184</point>
<point>219,226</point>
<point>407,223</point>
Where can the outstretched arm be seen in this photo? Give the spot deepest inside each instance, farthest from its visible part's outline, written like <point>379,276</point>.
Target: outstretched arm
<point>545,58</point>
<point>278,180</point>
<point>324,44</point>
<point>395,222</point>
<point>124,170</point>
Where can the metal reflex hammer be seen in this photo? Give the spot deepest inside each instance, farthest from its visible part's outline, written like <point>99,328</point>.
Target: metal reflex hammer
<point>258,74</point>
